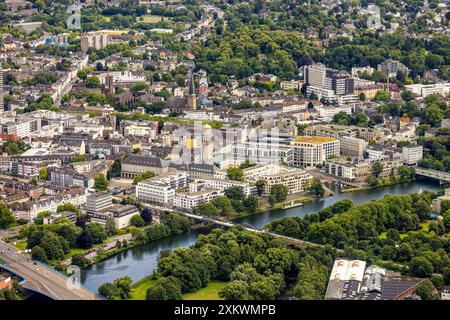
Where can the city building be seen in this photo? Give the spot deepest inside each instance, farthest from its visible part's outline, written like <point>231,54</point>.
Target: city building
<point>352,280</point>
<point>392,67</point>
<point>137,164</point>
<point>296,180</point>
<point>94,40</point>
<point>313,150</point>
<point>412,154</point>
<point>194,195</point>
<point>160,190</point>
<point>353,147</point>
<point>120,214</point>
<point>97,202</point>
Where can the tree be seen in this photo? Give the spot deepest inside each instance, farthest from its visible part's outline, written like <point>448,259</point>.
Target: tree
<point>146,215</point>
<point>84,240</point>
<point>108,290</point>
<point>235,174</point>
<point>165,288</point>
<point>251,204</point>
<point>68,207</point>
<point>6,217</point>
<point>80,260</point>
<point>143,176</point>
<point>236,290</point>
<point>100,182</point>
<point>39,254</point>
<point>235,193</point>
<point>425,290</point>
<point>110,227</point>
<point>92,82</point>
<point>279,191</point>
<point>421,267</point>
<point>377,168</point>
<point>116,169</point>
<point>438,281</point>
<point>223,204</point>
<point>260,186</point>
<point>316,188</point>
<point>97,232</point>
<point>137,221</point>
<point>78,158</point>
<point>43,174</point>
<point>123,285</point>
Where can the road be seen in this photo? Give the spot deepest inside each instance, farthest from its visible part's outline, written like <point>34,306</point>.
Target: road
<point>41,278</point>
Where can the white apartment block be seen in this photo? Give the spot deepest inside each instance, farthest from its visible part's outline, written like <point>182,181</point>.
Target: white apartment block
<point>296,180</point>
<point>221,184</point>
<point>424,90</point>
<point>161,189</point>
<point>194,197</point>
<point>140,131</point>
<point>310,151</point>
<point>412,155</point>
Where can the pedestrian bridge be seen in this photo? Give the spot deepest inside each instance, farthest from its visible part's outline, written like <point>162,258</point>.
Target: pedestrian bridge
<point>435,174</point>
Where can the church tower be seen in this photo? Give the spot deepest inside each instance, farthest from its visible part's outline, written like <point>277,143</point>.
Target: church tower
<point>192,97</point>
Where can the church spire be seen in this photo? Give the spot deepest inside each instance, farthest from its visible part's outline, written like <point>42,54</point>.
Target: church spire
<point>191,84</point>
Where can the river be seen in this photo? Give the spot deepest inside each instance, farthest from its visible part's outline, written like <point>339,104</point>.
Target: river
<point>141,261</point>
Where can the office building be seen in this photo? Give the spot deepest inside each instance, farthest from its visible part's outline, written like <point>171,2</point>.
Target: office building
<point>311,151</point>
<point>160,190</point>
<point>353,147</point>
<point>412,154</point>
<point>98,201</point>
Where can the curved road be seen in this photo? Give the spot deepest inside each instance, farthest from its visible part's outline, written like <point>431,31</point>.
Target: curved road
<point>42,278</point>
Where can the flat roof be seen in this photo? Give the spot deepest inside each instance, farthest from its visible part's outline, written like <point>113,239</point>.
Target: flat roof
<point>314,139</point>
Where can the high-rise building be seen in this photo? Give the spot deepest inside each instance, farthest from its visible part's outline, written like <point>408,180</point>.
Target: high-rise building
<point>94,40</point>
<point>353,147</point>
<point>392,67</point>
<point>310,151</point>
<point>329,84</point>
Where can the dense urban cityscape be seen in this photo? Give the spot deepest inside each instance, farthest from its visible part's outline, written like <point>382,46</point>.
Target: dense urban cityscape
<point>224,150</point>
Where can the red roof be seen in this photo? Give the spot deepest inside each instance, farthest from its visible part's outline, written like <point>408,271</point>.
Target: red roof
<point>13,137</point>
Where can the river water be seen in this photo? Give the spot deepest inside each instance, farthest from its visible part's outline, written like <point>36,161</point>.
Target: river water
<point>141,261</point>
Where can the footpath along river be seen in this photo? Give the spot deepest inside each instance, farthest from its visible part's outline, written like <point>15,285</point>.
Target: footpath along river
<point>140,261</point>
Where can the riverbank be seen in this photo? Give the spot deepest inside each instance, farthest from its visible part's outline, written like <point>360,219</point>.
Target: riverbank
<point>287,204</point>
<point>141,261</point>
<point>381,183</point>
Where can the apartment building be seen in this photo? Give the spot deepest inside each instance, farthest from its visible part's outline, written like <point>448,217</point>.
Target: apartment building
<point>412,155</point>
<point>94,40</point>
<point>193,196</point>
<point>296,180</point>
<point>162,189</point>
<point>353,147</point>
<point>313,150</point>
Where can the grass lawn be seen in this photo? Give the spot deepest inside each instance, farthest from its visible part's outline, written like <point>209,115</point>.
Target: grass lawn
<point>151,18</point>
<point>21,245</point>
<point>139,289</point>
<point>211,292</point>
